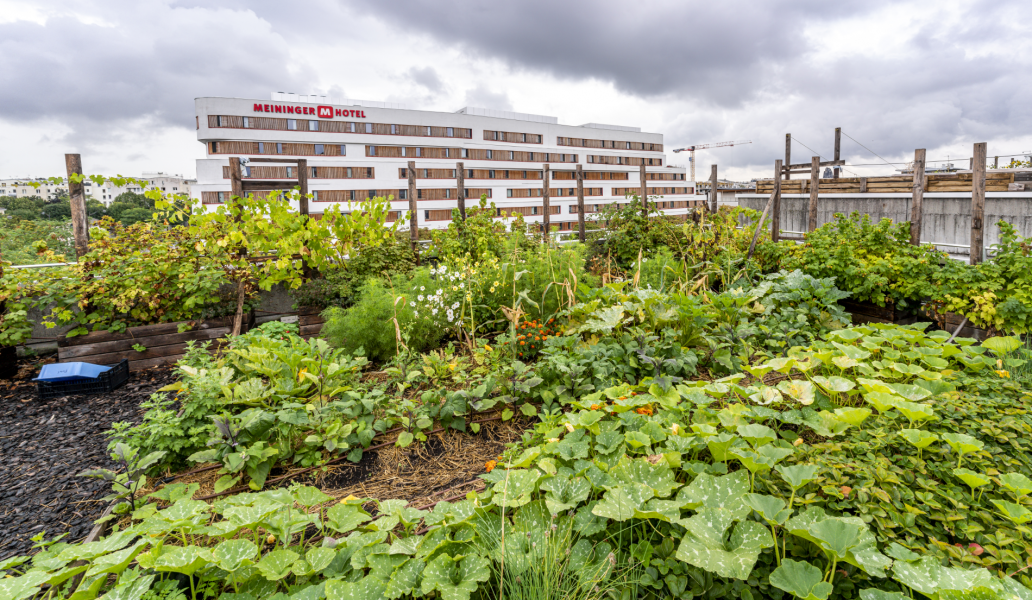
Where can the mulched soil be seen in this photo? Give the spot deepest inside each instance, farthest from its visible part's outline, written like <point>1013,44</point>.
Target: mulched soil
<point>44,444</point>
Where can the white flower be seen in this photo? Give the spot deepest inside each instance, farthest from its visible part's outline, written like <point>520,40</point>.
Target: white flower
<point>439,290</point>
<point>433,312</point>
<point>412,304</point>
<point>454,306</point>
<point>462,285</point>
<point>420,297</point>
<point>451,316</point>
<point>422,288</point>
<point>433,271</point>
<point>443,269</point>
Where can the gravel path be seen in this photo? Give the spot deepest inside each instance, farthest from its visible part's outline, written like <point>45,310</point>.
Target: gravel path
<point>45,443</point>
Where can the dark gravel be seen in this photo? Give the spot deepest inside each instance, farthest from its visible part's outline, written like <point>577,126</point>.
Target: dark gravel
<point>44,444</point>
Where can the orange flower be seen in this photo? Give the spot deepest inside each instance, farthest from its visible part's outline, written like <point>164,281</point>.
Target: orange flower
<point>523,343</point>
<point>622,398</point>
<point>644,410</point>
<point>595,407</point>
<point>490,465</point>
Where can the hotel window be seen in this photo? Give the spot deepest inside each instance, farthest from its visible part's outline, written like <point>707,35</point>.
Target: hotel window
<point>427,130</point>
<point>247,173</point>
<point>214,148</point>
<point>404,173</point>
<point>453,173</point>
<point>447,194</point>
<point>320,149</point>
<point>508,193</point>
<point>222,197</point>
<point>349,172</point>
<point>628,145</point>
<point>447,152</point>
<point>469,173</point>
<point>402,194</point>
<point>218,121</point>
<point>464,153</point>
<point>351,195</point>
<point>351,127</point>
<point>372,150</point>
<point>512,155</point>
<point>369,172</point>
<point>279,147</point>
<point>451,132</point>
<point>261,147</point>
<point>313,173</point>
<point>466,192</point>
<point>404,151</point>
<point>491,174</point>
<point>524,174</point>
<point>533,210</point>
<point>315,195</point>
<point>426,173</point>
<point>394,129</point>
<point>292,124</point>
<point>494,135</point>
<point>490,155</point>
<point>524,137</point>
<point>247,123</point>
<point>368,127</point>
<point>312,125</point>
<point>343,150</point>
<point>419,152</point>
<point>290,172</point>
<point>426,215</point>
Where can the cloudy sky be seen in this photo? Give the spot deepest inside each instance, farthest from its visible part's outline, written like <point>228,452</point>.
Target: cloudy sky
<point>115,79</point>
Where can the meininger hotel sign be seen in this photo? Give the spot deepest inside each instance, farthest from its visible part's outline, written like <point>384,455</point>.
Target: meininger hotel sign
<point>323,112</point>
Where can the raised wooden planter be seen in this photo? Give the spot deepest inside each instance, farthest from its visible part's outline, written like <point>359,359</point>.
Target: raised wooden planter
<point>950,321</point>
<point>310,321</point>
<point>865,312</point>
<point>163,342</point>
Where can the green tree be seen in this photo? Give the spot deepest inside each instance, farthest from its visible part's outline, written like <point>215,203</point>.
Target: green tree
<point>95,209</point>
<point>56,211</point>
<point>135,215</point>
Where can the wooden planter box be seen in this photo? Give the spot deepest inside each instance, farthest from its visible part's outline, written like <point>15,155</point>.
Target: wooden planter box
<point>865,312</point>
<point>950,321</point>
<point>309,321</point>
<point>164,343</point>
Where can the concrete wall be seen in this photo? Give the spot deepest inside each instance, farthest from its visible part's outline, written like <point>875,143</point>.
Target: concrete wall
<point>947,216</point>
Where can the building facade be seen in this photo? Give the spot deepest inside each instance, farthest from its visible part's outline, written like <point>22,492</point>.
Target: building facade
<point>106,193</point>
<point>358,151</point>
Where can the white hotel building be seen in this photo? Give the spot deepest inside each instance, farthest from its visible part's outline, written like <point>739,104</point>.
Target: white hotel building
<point>356,150</point>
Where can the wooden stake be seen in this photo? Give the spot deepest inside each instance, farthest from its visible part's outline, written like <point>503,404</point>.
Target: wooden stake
<point>413,209</point>
<point>759,226</point>
<point>863,185</point>
<point>546,222</point>
<point>996,162</point>
<point>580,203</point>
<point>978,203</point>
<point>236,186</point>
<point>916,209</point>
<point>644,193</point>
<point>302,182</point>
<point>775,215</point>
<point>838,151</point>
<point>788,153</point>
<point>77,199</point>
<point>815,184</point>
<point>713,188</point>
<point>460,183</point>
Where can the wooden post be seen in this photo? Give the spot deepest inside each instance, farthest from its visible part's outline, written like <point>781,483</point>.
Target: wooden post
<point>978,203</point>
<point>863,185</point>
<point>916,210</point>
<point>580,203</point>
<point>713,188</point>
<point>236,187</point>
<point>302,182</point>
<point>996,162</point>
<point>775,209</point>
<point>838,151</point>
<point>644,192</point>
<point>460,188</point>
<point>77,198</point>
<point>788,153</point>
<point>815,184</point>
<point>413,209</point>
<point>546,222</point>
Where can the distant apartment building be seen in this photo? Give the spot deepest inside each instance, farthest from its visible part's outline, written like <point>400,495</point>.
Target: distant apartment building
<point>359,150</point>
<point>106,193</point>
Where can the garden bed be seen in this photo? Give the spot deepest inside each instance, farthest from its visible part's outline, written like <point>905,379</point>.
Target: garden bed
<point>47,443</point>
<point>163,343</point>
<point>867,312</point>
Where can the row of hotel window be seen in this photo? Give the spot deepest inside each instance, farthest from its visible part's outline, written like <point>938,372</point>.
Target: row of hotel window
<point>270,172</point>
<point>272,123</point>
<point>299,149</point>
<point>451,194</point>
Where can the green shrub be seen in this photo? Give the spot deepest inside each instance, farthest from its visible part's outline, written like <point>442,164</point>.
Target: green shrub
<point>340,286</point>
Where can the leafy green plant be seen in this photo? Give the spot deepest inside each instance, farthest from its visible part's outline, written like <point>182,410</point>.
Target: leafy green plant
<point>128,477</point>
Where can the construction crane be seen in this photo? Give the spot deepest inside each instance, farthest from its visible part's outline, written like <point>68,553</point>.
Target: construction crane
<point>692,149</point>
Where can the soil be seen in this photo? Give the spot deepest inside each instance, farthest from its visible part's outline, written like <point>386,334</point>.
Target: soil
<point>44,444</point>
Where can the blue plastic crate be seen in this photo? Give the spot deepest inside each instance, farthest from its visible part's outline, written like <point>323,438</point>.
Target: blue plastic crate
<point>71,371</point>
<point>107,381</point>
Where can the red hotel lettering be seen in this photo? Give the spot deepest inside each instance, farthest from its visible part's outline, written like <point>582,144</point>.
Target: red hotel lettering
<point>323,112</point>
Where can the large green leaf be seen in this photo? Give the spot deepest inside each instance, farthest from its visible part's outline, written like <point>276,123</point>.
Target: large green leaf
<point>367,588</point>
<point>836,536</point>
<point>186,560</point>
<point>17,588</point>
<point>918,438</point>
<point>657,476</point>
<point>455,578</point>
<point>1017,484</point>
<point>565,493</point>
<point>404,579</point>
<point>773,510</point>
<point>343,518</point>
<point>277,564</point>
<point>723,492</point>
<point>703,545</point>
<point>1002,345</point>
<point>230,555</point>
<point>801,579</point>
<point>798,475</point>
<point>862,550</point>
<point>516,489</point>
<point>309,496</point>
<point>757,435</point>
<point>620,503</point>
<point>962,443</point>
<point>116,562</point>
<point>930,578</point>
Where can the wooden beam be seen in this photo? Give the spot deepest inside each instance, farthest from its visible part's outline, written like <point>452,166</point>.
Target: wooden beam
<point>838,151</point>
<point>580,203</point>
<point>77,199</point>
<point>788,154</point>
<point>288,161</point>
<point>644,193</point>
<point>916,208</point>
<point>805,167</point>
<point>713,188</point>
<point>978,203</point>
<point>815,184</point>
<point>775,214</point>
<point>460,184</point>
<point>413,209</point>
<point>546,201</point>
<point>302,182</point>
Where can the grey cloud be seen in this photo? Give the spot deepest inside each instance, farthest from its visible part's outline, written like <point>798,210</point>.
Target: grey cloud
<point>426,77</point>
<point>482,97</point>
